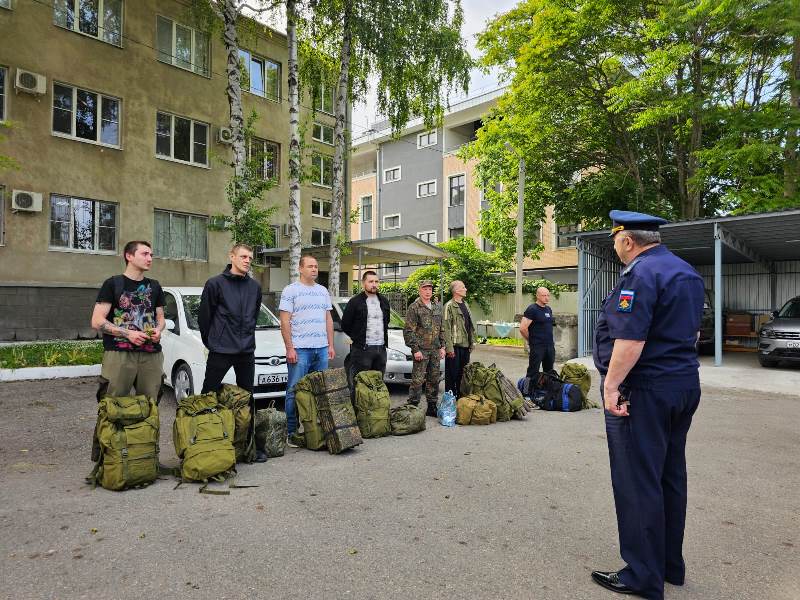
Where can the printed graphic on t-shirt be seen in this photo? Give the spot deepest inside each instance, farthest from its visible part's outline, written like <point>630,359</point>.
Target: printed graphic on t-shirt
<point>135,312</point>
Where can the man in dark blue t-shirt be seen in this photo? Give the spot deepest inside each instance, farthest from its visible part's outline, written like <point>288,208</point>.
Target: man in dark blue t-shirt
<point>537,327</point>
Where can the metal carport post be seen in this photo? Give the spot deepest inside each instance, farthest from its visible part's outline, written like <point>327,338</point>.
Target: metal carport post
<point>718,293</point>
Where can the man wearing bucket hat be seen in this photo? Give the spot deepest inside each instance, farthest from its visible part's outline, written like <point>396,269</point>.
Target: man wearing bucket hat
<point>645,351</point>
<point>423,333</point>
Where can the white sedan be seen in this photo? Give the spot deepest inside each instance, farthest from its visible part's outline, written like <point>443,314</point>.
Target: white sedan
<point>185,356</point>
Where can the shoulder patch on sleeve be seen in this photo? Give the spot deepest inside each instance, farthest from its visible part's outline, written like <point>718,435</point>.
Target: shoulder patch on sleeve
<point>625,303</point>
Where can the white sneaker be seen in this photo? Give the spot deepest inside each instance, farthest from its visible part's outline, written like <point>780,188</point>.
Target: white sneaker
<point>290,443</point>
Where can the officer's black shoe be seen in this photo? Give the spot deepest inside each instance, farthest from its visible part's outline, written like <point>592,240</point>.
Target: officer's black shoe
<point>610,581</point>
<point>261,456</point>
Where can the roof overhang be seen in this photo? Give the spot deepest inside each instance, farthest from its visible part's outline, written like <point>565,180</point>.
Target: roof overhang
<point>394,249</point>
<point>763,238</point>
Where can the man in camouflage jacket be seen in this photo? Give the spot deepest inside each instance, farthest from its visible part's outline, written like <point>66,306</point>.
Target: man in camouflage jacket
<point>423,333</point>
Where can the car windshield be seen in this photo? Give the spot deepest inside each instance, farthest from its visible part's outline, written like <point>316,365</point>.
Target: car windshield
<point>395,320</point>
<point>790,310</point>
<point>191,304</point>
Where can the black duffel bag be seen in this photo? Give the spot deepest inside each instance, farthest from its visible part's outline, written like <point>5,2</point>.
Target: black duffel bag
<point>553,394</point>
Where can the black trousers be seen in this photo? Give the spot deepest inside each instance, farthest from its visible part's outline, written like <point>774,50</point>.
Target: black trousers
<point>454,369</point>
<point>365,358</point>
<point>543,355</point>
<point>217,365</point>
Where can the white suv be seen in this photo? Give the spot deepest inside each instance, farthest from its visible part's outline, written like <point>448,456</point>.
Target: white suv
<point>185,356</point>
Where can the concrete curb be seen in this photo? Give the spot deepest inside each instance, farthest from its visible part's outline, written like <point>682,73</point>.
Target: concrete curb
<point>49,372</point>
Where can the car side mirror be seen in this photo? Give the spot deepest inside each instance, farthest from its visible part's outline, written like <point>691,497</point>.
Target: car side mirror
<point>170,325</point>
<point>337,326</point>
<point>774,314</point>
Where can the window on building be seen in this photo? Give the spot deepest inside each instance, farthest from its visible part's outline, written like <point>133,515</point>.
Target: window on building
<point>457,187</point>
<point>391,269</point>
<point>5,3</point>
<point>181,236</point>
<point>323,99</point>
<point>85,115</point>
<point>487,246</point>
<point>426,139</point>
<point>182,46</point>
<point>427,236</point>
<point>268,156</point>
<point>320,237</point>
<point>323,133</point>
<point>533,236</point>
<point>181,138</point>
<point>264,75</point>
<point>456,232</point>
<point>322,170</point>
<point>562,233</point>
<point>391,222</point>
<point>366,209</point>
<point>101,19</point>
<point>81,224</point>
<point>3,77</point>
<point>321,208</point>
<point>390,175</point>
<point>426,188</point>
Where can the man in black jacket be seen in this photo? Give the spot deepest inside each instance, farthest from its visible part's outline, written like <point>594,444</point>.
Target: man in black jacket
<point>229,309</point>
<point>366,321</point>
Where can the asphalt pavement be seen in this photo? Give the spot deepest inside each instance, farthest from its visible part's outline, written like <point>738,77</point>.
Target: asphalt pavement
<point>513,510</point>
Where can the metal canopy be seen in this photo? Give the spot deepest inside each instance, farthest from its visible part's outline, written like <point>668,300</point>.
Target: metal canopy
<point>394,249</point>
<point>764,239</point>
<point>773,236</point>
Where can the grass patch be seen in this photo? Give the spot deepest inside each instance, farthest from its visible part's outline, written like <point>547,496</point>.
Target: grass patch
<point>51,354</point>
<point>513,342</point>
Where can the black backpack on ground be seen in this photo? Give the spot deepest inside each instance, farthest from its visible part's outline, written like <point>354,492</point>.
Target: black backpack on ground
<point>553,394</point>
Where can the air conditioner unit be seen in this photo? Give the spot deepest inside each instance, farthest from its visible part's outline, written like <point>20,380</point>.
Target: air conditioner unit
<point>225,135</point>
<point>27,201</point>
<point>30,83</point>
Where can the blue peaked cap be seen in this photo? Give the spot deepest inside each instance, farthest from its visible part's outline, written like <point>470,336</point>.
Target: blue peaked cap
<point>629,220</point>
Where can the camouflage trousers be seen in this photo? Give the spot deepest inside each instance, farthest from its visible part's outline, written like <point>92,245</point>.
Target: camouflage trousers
<point>425,372</point>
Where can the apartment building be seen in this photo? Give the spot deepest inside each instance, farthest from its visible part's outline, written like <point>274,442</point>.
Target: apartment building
<point>118,123</point>
<point>416,184</point>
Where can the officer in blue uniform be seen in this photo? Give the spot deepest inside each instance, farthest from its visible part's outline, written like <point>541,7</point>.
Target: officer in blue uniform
<point>645,350</point>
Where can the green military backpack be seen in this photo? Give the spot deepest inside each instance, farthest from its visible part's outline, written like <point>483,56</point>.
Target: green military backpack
<point>238,401</point>
<point>127,434</point>
<point>203,436</point>
<point>314,436</point>
<point>271,430</point>
<point>577,374</point>
<point>490,383</point>
<point>372,404</point>
<point>407,419</point>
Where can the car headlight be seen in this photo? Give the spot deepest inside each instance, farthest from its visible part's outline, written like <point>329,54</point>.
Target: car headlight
<point>770,333</point>
<point>395,355</point>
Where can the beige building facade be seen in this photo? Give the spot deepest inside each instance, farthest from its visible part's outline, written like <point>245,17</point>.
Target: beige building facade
<point>118,124</point>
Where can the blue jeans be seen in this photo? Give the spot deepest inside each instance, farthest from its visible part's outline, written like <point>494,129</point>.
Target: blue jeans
<point>308,361</point>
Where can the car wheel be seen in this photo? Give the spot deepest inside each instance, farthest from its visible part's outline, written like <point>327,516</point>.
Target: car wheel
<point>706,349</point>
<point>766,362</point>
<point>182,382</point>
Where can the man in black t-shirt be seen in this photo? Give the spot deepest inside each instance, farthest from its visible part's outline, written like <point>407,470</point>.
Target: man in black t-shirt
<point>130,314</point>
<point>537,327</point>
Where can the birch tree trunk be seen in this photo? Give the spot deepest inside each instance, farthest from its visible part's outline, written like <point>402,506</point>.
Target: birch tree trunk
<point>791,160</point>
<point>338,234</point>
<point>295,228</point>
<point>230,13</point>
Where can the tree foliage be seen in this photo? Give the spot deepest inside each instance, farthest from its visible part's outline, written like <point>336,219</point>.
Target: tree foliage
<point>414,52</point>
<point>681,108</point>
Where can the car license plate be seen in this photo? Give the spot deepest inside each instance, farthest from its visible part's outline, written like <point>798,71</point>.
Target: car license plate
<point>272,378</point>
<point>793,344</point>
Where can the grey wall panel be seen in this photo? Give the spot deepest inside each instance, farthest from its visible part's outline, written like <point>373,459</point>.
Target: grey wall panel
<point>400,197</point>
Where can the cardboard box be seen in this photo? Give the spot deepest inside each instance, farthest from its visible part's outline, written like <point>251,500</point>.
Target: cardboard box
<point>761,320</point>
<point>739,324</point>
